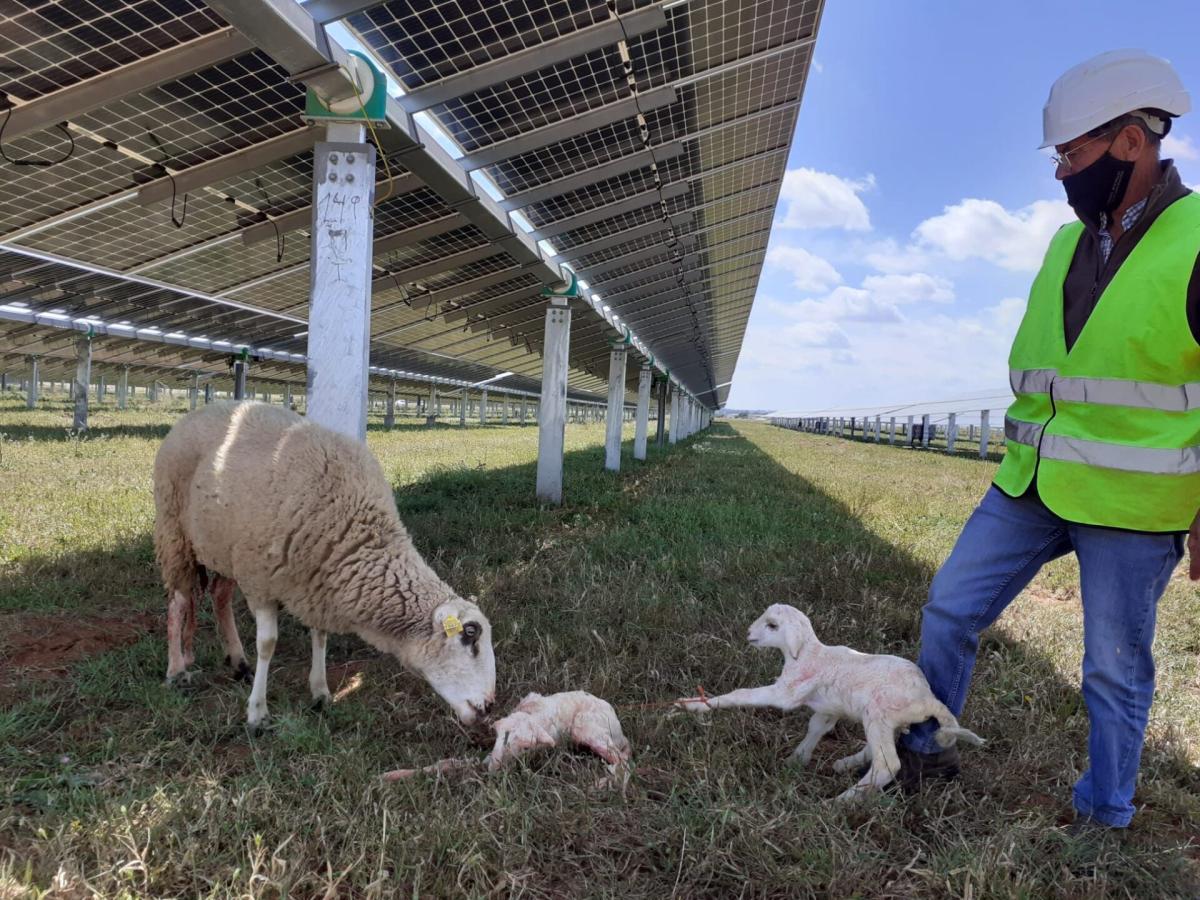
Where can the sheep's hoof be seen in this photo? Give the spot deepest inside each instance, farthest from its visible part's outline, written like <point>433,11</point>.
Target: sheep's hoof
<point>796,760</point>
<point>322,704</point>
<point>188,679</point>
<point>241,672</point>
<point>260,728</point>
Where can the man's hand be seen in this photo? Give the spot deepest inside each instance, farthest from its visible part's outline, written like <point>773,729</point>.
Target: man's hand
<point>1193,546</point>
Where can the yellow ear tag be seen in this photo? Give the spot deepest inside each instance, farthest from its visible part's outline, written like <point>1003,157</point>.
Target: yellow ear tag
<point>452,626</point>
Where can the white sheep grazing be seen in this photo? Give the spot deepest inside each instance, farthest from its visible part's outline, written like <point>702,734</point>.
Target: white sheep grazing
<point>577,716</point>
<point>303,518</point>
<point>884,693</point>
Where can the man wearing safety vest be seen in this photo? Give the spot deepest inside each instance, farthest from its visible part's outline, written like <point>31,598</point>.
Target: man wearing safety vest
<point>1103,451</point>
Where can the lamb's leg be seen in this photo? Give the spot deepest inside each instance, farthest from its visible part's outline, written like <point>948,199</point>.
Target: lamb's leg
<point>266,620</point>
<point>235,656</point>
<point>768,695</point>
<point>316,675</point>
<point>176,662</point>
<point>854,760</point>
<point>885,763</point>
<point>818,726</point>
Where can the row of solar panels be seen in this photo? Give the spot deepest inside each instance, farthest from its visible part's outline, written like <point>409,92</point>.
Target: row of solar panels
<point>644,145</point>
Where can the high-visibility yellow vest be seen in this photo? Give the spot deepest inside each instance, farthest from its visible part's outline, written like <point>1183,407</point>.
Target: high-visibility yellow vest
<point>1111,429</point>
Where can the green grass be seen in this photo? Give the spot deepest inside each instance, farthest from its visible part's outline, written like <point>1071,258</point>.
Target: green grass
<point>638,588</point>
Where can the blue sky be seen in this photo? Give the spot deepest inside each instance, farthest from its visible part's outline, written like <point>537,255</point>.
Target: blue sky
<point>916,206</point>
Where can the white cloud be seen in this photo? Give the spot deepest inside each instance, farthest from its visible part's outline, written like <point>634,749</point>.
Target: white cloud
<point>827,335</point>
<point>888,256</point>
<point>916,287</point>
<point>821,200</point>
<point>983,229</point>
<point>1180,147</point>
<point>846,304</point>
<point>817,67</point>
<point>810,273</point>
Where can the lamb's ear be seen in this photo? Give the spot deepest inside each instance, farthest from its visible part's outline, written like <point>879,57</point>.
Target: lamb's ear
<point>795,640</point>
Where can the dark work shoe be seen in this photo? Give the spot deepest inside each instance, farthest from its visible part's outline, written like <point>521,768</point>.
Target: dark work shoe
<point>918,768</point>
<point>1085,828</point>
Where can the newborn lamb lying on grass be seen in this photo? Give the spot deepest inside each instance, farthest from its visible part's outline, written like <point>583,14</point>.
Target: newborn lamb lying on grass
<point>538,721</point>
<point>884,693</point>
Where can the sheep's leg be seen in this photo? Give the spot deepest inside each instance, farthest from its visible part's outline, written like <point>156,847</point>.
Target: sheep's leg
<point>818,726</point>
<point>189,625</point>
<point>885,762</point>
<point>316,675</point>
<point>266,620</point>
<point>854,760</point>
<point>768,695</point>
<point>235,656</point>
<point>177,671</point>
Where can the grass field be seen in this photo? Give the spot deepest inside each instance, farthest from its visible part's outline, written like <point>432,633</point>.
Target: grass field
<point>639,588</point>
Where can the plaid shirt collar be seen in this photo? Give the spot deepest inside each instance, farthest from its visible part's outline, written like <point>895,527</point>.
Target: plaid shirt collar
<point>1127,222</point>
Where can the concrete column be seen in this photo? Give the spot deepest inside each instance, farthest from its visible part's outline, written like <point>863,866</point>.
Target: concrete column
<point>483,407</point>
<point>389,412</point>
<point>892,431</point>
<point>504,409</point>
<point>673,425</point>
<point>434,405</point>
<point>951,432</point>
<point>616,405</point>
<point>339,313</point>
<point>642,423</point>
<point>552,411</point>
<point>31,395</point>
<point>101,388</point>
<point>524,408</point>
<point>194,391</point>
<point>925,430</point>
<point>287,395</point>
<point>209,392</point>
<point>660,425</point>
<point>240,368</point>
<point>123,388</point>
<point>83,375</point>
<point>462,409</point>
<point>985,434</point>
<point>3,381</point>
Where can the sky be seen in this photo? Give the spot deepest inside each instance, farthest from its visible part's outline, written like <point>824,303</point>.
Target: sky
<point>916,208</point>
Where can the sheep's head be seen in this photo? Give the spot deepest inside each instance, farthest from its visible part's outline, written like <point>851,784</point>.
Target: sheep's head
<point>783,627</point>
<point>459,662</point>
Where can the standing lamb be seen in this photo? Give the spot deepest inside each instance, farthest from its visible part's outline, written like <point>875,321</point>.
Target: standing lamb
<point>884,693</point>
<point>303,518</point>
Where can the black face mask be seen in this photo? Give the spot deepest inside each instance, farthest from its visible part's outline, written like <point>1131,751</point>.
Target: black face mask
<point>1098,189</point>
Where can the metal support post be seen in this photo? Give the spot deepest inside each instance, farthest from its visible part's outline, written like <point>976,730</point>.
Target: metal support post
<point>483,407</point>
<point>951,432</point>
<point>616,404</point>
<point>552,410</point>
<point>925,431</point>
<point>504,409</point>
<point>194,391</point>
<point>240,368</point>
<point>209,393</point>
<point>339,315</point>
<point>985,434</point>
<point>463,403</point>
<point>83,375</point>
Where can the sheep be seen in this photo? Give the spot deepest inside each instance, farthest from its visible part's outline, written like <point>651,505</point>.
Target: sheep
<point>884,693</point>
<point>538,721</point>
<point>303,518</point>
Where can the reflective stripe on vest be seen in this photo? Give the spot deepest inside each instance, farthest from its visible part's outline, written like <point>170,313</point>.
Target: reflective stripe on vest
<point>1151,460</point>
<point>1107,391</point>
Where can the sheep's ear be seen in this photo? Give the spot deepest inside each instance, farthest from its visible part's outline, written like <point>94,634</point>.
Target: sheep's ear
<point>471,632</point>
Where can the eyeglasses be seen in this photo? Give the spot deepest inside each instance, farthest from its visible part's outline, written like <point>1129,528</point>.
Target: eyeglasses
<point>1063,160</point>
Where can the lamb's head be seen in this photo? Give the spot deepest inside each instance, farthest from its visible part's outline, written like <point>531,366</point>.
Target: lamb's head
<point>457,660</point>
<point>783,627</point>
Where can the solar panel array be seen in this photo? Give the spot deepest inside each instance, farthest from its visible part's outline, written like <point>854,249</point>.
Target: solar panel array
<point>645,142</point>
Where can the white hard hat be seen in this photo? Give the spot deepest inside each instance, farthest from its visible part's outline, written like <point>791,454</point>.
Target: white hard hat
<point>1110,85</point>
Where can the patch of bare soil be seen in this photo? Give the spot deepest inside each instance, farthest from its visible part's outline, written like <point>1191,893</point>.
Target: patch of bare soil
<point>1055,595</point>
<point>46,646</point>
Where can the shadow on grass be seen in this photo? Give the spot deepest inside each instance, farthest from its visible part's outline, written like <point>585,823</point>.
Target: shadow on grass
<point>639,587</point>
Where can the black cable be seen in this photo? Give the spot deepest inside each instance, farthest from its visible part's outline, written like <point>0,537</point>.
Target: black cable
<point>40,163</point>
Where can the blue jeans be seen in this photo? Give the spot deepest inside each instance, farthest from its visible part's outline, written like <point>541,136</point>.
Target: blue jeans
<point>1122,575</point>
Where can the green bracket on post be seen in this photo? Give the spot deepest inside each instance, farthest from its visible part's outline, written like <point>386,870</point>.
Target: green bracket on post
<point>370,103</point>
<point>570,292</point>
